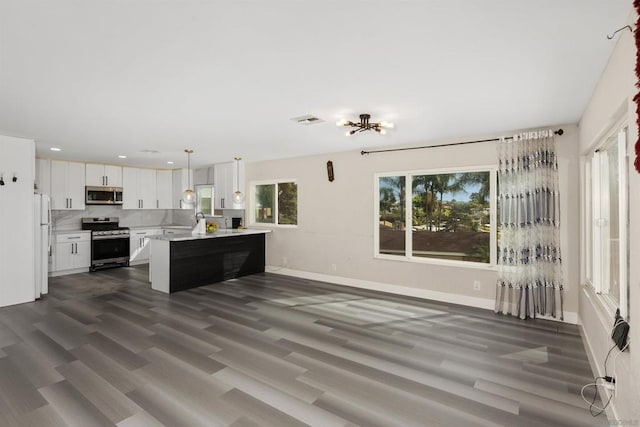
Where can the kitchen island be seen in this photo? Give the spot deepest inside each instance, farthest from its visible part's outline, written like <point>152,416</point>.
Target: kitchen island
<point>184,261</point>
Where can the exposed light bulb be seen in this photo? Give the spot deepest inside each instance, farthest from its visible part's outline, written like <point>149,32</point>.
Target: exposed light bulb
<point>188,196</point>
<point>341,122</point>
<point>387,125</point>
<point>382,131</point>
<point>238,197</point>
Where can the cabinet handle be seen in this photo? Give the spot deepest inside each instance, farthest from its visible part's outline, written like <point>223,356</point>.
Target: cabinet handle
<point>70,203</point>
<point>106,180</point>
<point>222,203</point>
<point>74,237</point>
<point>157,204</point>
<point>66,203</point>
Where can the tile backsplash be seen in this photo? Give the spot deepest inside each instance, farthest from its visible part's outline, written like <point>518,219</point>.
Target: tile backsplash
<point>71,220</point>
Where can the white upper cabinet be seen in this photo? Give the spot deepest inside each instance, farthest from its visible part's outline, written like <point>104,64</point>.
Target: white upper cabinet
<point>223,185</point>
<point>164,189</point>
<point>226,176</point>
<point>99,175</point>
<point>181,182</point>
<point>67,185</point>
<point>139,188</point>
<point>43,176</point>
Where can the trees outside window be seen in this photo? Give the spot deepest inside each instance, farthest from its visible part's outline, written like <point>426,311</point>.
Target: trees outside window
<point>275,203</point>
<point>450,216</point>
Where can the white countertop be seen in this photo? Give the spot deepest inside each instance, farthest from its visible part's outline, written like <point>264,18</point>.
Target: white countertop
<point>148,227</point>
<point>216,234</point>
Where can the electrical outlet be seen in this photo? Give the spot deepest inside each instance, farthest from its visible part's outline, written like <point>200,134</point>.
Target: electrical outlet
<point>476,285</point>
<point>334,267</point>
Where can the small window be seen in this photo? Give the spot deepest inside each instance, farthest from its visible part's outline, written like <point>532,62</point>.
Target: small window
<point>275,203</point>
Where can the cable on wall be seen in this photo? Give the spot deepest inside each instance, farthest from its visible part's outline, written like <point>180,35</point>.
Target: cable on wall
<point>363,152</point>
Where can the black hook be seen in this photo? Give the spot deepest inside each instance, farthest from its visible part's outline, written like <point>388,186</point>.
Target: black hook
<point>609,37</point>
<point>15,178</point>
<point>1,180</point>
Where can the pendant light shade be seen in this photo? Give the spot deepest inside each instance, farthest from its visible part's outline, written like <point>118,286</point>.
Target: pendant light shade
<point>188,196</point>
<point>238,197</point>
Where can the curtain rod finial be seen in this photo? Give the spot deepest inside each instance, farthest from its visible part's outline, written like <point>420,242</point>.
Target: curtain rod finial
<point>559,132</point>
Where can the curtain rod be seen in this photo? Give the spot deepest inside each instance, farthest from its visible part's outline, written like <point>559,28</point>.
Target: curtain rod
<point>557,132</point>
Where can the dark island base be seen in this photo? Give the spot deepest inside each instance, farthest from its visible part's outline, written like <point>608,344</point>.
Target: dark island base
<point>202,262</point>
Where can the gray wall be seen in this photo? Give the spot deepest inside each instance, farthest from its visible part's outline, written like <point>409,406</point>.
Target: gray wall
<point>612,101</point>
<point>336,220</point>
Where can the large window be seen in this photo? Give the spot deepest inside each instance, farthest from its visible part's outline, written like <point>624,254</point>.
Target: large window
<point>606,220</point>
<point>275,203</point>
<point>450,216</point>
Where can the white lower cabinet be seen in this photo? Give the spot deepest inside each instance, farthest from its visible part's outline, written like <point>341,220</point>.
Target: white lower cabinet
<point>72,251</point>
<point>139,245</point>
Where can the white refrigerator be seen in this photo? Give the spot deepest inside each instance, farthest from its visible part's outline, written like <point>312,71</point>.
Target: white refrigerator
<point>42,246</point>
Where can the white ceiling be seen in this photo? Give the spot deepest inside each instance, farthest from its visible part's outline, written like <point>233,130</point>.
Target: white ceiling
<point>99,78</point>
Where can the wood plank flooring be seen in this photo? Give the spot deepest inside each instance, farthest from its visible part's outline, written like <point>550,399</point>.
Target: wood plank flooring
<point>103,349</point>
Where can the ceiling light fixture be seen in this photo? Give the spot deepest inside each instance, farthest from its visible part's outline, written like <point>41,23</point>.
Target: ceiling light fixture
<point>169,163</point>
<point>238,197</point>
<point>55,149</point>
<point>365,124</point>
<point>122,156</point>
<point>188,196</point>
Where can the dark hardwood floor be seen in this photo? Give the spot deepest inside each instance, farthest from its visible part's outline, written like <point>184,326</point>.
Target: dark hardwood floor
<point>104,349</point>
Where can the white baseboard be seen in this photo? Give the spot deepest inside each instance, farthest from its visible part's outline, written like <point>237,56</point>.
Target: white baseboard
<point>66,272</point>
<point>611,412</point>
<point>487,304</point>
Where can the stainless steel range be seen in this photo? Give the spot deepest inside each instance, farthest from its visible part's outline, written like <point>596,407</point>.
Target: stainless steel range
<point>109,242</point>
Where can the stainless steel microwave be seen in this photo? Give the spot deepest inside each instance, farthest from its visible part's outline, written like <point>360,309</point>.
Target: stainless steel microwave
<point>103,195</point>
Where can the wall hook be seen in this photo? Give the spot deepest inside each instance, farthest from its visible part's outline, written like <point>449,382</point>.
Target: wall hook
<point>609,37</point>
<point>1,180</point>
<point>15,178</point>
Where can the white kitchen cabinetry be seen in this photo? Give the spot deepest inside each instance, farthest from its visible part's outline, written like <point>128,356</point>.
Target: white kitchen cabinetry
<point>223,185</point>
<point>226,183</point>
<point>67,185</point>
<point>180,183</point>
<point>139,245</point>
<point>17,266</point>
<point>43,176</point>
<point>98,175</point>
<point>164,189</point>
<point>72,251</point>
<point>139,188</point>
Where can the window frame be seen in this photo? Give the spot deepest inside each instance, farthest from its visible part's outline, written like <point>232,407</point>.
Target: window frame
<point>408,257</point>
<point>595,271</point>
<point>252,203</point>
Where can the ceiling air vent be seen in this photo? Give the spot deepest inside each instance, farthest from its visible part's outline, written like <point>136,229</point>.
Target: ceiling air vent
<point>307,120</point>
<point>147,151</point>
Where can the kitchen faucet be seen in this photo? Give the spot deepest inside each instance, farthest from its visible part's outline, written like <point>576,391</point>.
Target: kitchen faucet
<point>199,215</point>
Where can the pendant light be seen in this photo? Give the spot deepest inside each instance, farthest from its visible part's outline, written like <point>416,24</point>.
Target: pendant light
<point>188,196</point>
<point>238,197</point>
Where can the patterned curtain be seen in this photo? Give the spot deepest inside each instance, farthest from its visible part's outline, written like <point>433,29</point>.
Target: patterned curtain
<point>529,262</point>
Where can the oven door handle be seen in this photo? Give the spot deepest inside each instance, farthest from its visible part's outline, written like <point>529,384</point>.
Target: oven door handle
<point>118,236</point>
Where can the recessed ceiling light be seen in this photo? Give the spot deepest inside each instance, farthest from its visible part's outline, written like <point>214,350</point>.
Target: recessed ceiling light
<point>55,149</point>
<point>169,163</point>
<point>122,157</point>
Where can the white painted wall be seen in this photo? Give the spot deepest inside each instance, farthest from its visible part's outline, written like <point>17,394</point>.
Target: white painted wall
<point>336,220</point>
<point>611,101</point>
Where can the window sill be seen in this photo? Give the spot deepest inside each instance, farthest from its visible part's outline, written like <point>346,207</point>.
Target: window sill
<point>439,262</point>
<point>268,225</point>
<point>602,305</point>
